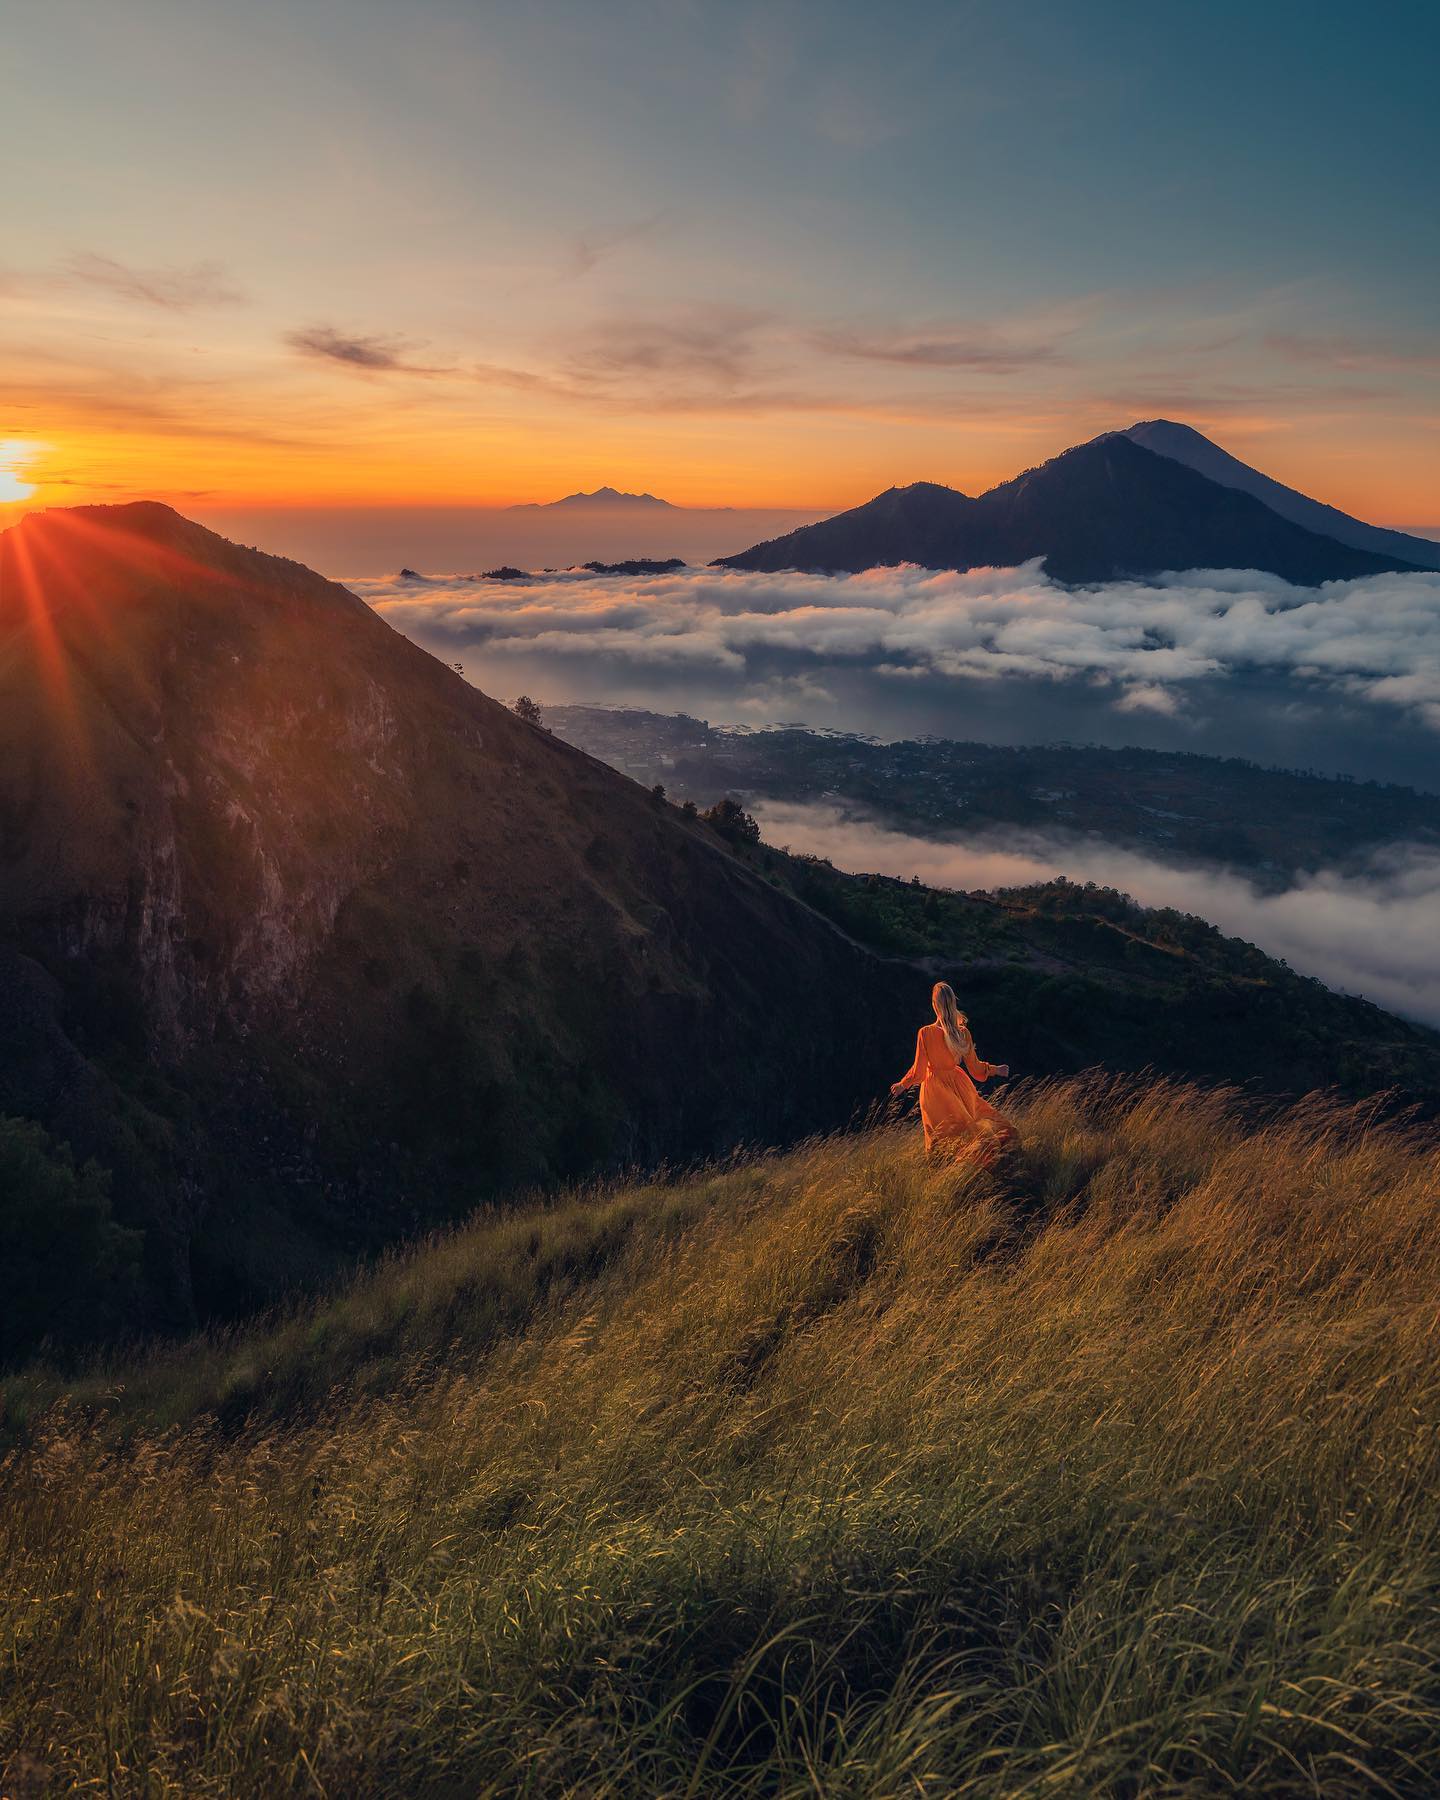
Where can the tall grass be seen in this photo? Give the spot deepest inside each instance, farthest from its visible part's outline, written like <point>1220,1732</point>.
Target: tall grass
<point>1111,1471</point>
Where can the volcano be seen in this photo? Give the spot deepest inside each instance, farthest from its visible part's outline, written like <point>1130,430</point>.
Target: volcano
<point>1108,510</point>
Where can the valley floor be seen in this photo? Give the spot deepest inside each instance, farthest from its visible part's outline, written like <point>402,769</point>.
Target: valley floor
<point>1112,1471</point>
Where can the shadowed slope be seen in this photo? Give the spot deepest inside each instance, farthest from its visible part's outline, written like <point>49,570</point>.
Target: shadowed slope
<point>310,941</point>
<point>1185,445</point>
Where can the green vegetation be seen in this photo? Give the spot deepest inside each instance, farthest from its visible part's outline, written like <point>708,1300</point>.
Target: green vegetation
<point>69,1269</point>
<point>1110,1471</point>
<point>529,710</point>
<point>1066,975</point>
<point>731,821</point>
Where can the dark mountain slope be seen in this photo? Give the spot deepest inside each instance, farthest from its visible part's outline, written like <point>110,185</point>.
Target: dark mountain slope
<point>1112,508</point>
<point>922,523</point>
<point>1184,444</point>
<point>310,942</point>
<point>1100,512</point>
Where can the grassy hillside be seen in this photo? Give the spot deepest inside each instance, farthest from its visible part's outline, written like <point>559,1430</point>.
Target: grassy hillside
<point>1110,1472</point>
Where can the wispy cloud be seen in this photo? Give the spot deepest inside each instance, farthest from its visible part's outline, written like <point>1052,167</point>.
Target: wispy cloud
<point>99,386</point>
<point>370,355</point>
<point>177,289</point>
<point>696,358</point>
<point>588,252</point>
<point>1374,355</point>
<point>716,346</point>
<point>730,359</point>
<point>528,381</point>
<point>934,347</point>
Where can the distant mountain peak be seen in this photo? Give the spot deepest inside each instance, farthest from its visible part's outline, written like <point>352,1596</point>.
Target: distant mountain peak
<point>598,499</point>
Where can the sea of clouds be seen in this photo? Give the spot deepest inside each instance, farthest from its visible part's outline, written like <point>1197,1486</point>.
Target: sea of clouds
<point>1372,931</point>
<point>1344,678</point>
<point>1155,647</point>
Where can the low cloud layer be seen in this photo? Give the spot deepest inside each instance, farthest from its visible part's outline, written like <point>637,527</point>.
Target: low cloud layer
<point>1370,933</point>
<point>1141,647</point>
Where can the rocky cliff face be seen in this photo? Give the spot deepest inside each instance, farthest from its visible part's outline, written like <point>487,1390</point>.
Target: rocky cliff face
<point>316,943</point>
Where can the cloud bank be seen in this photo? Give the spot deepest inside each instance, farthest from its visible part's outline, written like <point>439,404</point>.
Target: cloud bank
<point>1372,933</point>
<point>1146,647</point>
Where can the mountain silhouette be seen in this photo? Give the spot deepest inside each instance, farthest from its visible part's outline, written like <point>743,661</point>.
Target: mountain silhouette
<point>1184,444</point>
<point>601,500</point>
<point>1104,511</point>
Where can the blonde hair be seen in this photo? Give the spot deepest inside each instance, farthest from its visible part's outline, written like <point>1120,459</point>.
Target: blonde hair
<point>953,1022</point>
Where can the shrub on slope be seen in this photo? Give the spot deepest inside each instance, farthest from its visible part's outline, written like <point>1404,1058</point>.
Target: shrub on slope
<point>68,1266</point>
<point>1109,1472</point>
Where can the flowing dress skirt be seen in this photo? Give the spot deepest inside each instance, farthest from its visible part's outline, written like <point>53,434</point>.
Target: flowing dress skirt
<point>957,1121</point>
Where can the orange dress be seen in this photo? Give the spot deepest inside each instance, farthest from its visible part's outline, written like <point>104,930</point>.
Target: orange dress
<point>956,1119</point>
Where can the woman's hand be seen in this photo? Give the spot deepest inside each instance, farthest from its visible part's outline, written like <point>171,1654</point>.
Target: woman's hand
<point>1002,1068</point>
<point>898,1087</point>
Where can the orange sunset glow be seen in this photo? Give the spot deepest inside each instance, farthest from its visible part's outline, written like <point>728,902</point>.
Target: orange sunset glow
<point>340,448</point>
<point>446,269</point>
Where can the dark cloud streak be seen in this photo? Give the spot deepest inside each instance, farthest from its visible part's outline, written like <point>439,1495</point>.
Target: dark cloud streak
<point>370,355</point>
<point>935,349</point>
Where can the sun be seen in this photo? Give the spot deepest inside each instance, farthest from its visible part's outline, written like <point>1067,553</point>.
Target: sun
<point>15,453</point>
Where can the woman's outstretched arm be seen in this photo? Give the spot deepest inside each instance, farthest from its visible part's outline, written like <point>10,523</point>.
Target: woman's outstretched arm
<point>915,1074</point>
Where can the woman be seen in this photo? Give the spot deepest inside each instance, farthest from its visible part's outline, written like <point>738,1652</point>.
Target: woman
<point>956,1119</point>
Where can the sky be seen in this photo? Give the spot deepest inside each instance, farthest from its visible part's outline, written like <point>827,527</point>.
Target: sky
<point>358,253</point>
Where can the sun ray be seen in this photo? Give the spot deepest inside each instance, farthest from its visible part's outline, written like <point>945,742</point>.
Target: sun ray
<point>66,578</point>
<point>26,619</point>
